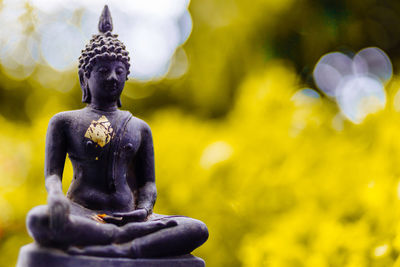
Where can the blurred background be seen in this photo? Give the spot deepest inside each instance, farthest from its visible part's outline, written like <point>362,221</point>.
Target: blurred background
<point>276,122</point>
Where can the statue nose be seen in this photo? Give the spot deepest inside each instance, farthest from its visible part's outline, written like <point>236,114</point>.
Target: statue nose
<point>112,76</point>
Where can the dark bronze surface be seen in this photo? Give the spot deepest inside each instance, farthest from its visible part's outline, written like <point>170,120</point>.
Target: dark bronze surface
<point>108,210</point>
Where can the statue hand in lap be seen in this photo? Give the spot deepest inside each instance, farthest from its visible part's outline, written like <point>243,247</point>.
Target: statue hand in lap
<point>58,206</point>
<point>108,210</point>
<point>138,215</point>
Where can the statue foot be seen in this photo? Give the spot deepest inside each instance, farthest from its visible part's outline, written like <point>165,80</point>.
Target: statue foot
<point>113,250</point>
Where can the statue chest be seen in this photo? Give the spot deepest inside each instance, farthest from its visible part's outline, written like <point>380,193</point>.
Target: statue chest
<point>103,139</point>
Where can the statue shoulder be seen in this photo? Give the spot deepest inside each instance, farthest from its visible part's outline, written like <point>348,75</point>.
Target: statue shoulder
<point>138,123</point>
<point>64,118</point>
<point>144,127</point>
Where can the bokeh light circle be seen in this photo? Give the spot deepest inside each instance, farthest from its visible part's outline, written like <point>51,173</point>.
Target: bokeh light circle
<point>373,61</point>
<point>358,96</point>
<point>306,96</point>
<point>152,31</point>
<point>330,70</point>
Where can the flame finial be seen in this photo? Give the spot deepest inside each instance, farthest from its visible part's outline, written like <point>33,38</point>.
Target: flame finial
<point>105,22</point>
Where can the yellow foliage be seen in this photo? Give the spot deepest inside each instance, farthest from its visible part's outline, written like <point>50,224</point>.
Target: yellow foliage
<point>283,182</point>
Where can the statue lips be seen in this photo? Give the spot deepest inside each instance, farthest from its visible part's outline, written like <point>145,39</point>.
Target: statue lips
<point>112,87</point>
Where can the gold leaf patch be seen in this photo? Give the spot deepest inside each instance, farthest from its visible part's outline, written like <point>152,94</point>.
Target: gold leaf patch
<point>100,131</point>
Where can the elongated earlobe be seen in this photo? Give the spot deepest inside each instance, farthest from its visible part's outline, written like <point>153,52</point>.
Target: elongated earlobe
<point>84,86</point>
<point>86,95</point>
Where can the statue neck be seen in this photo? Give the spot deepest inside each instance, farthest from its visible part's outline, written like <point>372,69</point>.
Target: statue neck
<point>103,107</point>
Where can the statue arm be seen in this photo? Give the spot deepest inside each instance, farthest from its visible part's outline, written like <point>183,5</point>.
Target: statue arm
<point>55,154</point>
<point>144,172</point>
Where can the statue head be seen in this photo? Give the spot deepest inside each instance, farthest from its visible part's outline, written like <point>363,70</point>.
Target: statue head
<point>103,48</point>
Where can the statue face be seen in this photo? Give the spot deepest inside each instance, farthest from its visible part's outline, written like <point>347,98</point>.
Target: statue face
<point>107,80</point>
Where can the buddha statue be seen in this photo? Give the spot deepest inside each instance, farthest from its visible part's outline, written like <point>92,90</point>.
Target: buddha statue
<point>108,210</point>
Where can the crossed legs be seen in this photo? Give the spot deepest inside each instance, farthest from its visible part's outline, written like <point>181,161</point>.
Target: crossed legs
<point>164,236</point>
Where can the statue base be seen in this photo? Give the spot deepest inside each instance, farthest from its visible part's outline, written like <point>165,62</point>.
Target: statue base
<point>32,255</point>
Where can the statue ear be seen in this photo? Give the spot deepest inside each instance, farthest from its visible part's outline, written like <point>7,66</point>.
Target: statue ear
<point>84,86</point>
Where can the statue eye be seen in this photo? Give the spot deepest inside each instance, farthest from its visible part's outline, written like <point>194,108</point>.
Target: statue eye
<point>120,71</point>
<point>103,70</point>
